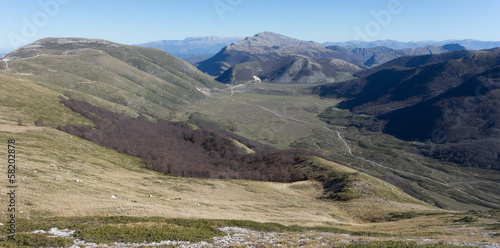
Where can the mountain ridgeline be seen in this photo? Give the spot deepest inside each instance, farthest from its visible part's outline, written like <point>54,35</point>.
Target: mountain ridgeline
<point>450,102</point>
<point>277,58</point>
<point>467,43</point>
<point>193,49</point>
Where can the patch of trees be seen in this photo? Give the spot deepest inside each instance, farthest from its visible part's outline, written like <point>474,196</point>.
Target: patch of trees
<point>178,149</point>
<point>483,153</point>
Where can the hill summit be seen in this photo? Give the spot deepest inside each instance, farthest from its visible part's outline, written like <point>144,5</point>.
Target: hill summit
<point>265,46</point>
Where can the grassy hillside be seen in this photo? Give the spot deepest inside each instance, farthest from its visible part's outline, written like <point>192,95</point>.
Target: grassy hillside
<point>25,102</point>
<point>118,77</point>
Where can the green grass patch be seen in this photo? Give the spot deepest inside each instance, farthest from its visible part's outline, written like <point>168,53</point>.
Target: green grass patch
<point>37,103</point>
<point>140,232</point>
<point>117,229</point>
<point>105,230</point>
<point>330,229</point>
<point>36,240</point>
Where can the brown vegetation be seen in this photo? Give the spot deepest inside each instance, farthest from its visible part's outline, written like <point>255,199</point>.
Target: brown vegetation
<point>177,149</point>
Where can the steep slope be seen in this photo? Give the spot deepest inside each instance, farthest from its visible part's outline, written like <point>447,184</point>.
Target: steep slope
<point>463,123</point>
<point>409,80</point>
<point>452,104</point>
<point>125,78</point>
<point>290,69</point>
<point>413,61</point>
<point>371,57</point>
<point>200,47</point>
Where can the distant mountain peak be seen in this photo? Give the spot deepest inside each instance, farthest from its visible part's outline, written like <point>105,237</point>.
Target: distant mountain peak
<point>212,38</point>
<point>193,47</point>
<point>271,39</point>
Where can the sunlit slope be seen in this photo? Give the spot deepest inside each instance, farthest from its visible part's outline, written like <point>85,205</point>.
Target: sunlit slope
<point>108,74</point>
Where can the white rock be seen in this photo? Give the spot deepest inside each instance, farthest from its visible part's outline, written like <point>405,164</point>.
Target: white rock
<point>61,233</point>
<point>113,197</point>
<point>256,79</point>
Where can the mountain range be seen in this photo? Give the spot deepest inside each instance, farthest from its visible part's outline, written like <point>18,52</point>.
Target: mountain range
<point>193,49</point>
<point>467,43</point>
<point>277,58</point>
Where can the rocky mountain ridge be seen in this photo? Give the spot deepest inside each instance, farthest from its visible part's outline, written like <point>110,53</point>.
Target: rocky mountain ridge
<point>250,55</point>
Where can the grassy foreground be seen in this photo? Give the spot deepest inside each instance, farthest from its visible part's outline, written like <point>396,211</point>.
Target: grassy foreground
<point>122,229</point>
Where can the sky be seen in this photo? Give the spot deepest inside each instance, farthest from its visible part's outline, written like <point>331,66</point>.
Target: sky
<point>135,21</point>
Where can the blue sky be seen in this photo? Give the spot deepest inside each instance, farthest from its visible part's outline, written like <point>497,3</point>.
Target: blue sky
<point>135,21</point>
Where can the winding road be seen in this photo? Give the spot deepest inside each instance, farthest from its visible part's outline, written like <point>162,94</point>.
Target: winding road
<point>375,163</point>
